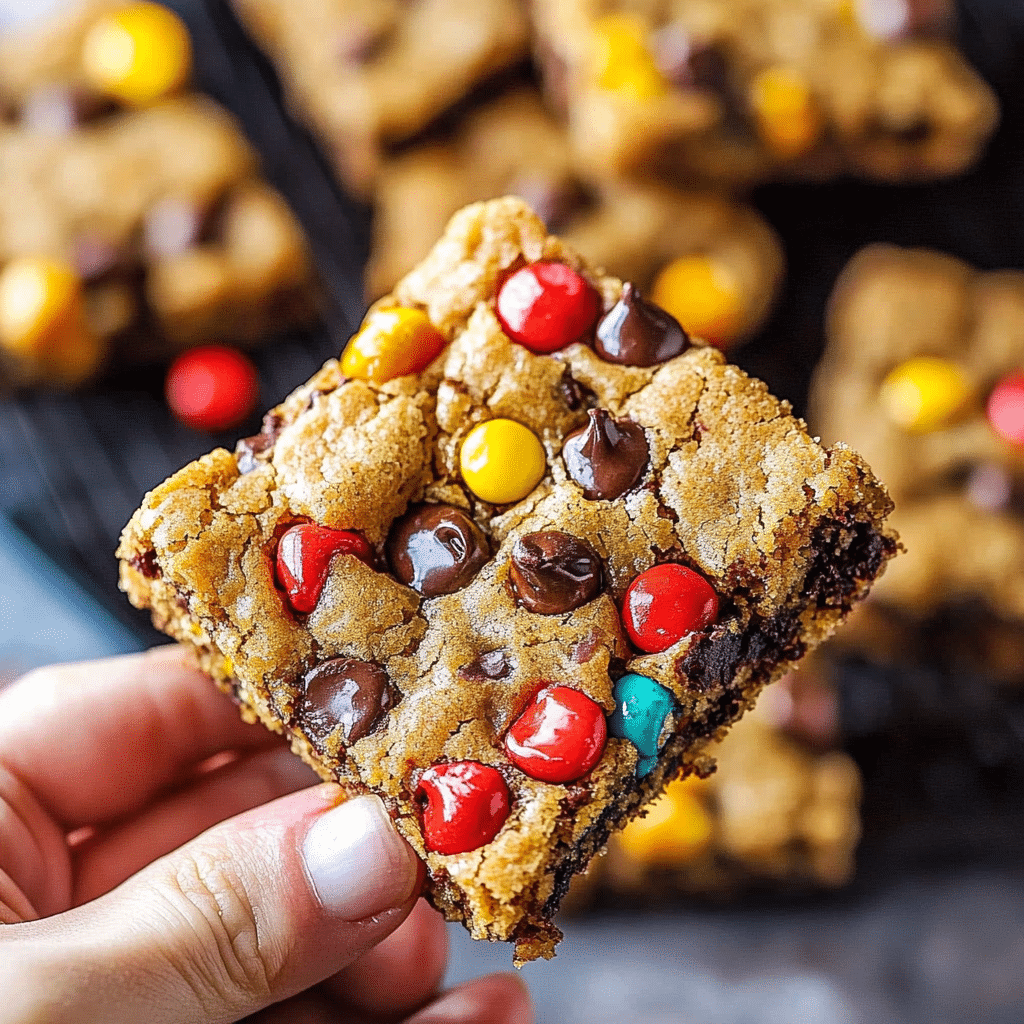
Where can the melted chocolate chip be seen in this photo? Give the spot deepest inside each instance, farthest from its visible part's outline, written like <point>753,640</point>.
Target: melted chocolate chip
<point>96,257</point>
<point>60,110</point>
<point>436,549</point>
<point>346,693</point>
<point>248,448</point>
<point>553,572</point>
<point>606,457</point>
<point>691,63</point>
<point>171,227</point>
<point>638,333</point>
<point>489,665</point>
<point>554,199</point>
<point>363,44</point>
<point>573,392</point>
<point>146,563</point>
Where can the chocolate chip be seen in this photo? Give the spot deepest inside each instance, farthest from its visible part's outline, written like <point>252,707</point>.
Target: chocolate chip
<point>436,549</point>
<point>146,563</point>
<point>573,393</point>
<point>554,199</point>
<point>638,333</point>
<point>248,448</point>
<point>95,256</point>
<point>606,457</point>
<point>61,109</point>
<point>347,694</point>
<point>361,44</point>
<point>172,226</point>
<point>489,665</point>
<point>989,487</point>
<point>690,63</point>
<point>552,572</point>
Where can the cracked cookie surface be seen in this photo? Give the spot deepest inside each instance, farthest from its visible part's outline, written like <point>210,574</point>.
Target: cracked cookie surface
<point>732,492</point>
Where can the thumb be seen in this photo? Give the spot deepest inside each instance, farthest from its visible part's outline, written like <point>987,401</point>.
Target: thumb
<point>255,910</point>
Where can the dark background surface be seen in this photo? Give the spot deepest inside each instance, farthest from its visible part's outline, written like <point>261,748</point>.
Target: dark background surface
<point>933,928</point>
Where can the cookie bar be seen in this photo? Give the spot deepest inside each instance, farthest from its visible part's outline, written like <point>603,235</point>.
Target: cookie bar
<point>132,219</point>
<point>714,264</point>
<point>742,91</point>
<point>511,562</point>
<point>778,812</point>
<point>366,74</point>
<point>922,373</point>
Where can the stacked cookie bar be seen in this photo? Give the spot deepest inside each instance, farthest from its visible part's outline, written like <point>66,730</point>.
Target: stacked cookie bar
<point>133,222</point>
<point>922,373</point>
<point>511,563</point>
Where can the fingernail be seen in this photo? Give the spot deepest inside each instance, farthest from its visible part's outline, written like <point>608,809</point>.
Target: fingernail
<point>356,862</point>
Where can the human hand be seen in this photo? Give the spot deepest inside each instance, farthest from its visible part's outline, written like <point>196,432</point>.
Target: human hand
<point>163,861</point>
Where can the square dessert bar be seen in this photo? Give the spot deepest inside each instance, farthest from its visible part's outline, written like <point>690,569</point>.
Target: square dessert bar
<point>741,91</point>
<point>511,563</point>
<point>713,263</point>
<point>922,372</point>
<point>367,74</point>
<point>133,222</point>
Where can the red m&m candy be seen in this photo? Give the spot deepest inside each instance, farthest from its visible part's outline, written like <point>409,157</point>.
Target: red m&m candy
<point>304,556</point>
<point>1006,408</point>
<point>466,805</point>
<point>666,602</point>
<point>546,306</point>
<point>212,388</point>
<point>559,737</point>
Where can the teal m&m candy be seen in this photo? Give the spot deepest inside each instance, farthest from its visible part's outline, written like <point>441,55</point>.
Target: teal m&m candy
<point>641,706</point>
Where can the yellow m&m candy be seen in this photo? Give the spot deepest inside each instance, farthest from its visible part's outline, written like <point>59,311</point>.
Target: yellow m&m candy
<point>623,63</point>
<point>392,343</point>
<point>787,117</point>
<point>502,461</point>
<point>42,318</point>
<point>676,828</point>
<point>703,296</point>
<point>924,393</point>
<point>137,54</point>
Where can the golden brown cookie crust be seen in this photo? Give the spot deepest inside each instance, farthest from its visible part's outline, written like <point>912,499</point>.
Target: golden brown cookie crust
<point>790,535</point>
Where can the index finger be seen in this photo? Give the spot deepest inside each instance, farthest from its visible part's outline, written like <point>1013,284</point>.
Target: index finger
<point>95,741</point>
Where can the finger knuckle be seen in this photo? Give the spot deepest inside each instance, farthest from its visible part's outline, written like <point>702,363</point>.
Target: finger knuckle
<point>216,940</point>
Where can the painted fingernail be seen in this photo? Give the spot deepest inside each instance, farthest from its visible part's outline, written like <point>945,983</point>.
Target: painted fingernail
<point>357,864</point>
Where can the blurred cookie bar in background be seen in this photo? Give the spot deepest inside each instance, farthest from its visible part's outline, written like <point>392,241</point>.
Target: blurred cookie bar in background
<point>133,222</point>
<point>922,375</point>
<point>744,91</point>
<point>366,74</point>
<point>713,263</point>
<point>781,810</point>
